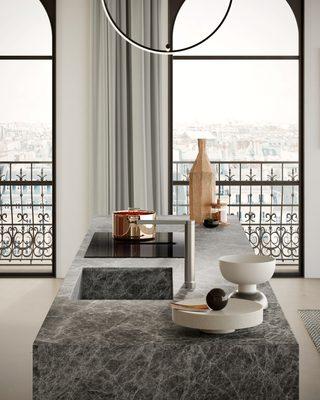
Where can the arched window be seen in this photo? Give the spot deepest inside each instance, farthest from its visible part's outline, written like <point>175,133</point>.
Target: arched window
<point>27,65</point>
<point>242,90</point>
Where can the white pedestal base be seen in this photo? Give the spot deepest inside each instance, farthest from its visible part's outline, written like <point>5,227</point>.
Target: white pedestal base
<point>257,296</point>
<point>218,331</point>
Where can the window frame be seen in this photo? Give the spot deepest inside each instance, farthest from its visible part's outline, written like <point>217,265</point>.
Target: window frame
<point>50,8</point>
<point>297,7</point>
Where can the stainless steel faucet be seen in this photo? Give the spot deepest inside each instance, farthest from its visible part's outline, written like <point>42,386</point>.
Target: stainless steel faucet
<point>189,246</point>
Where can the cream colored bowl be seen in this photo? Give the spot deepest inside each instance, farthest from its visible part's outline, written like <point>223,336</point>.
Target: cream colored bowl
<point>247,270</point>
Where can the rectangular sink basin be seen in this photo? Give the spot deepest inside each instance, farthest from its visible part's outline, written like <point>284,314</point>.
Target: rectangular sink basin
<point>126,284</point>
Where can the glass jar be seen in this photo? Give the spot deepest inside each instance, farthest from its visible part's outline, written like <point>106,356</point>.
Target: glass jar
<point>219,212</point>
<point>215,214</point>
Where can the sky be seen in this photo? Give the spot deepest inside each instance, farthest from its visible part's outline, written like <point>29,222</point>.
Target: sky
<point>26,93</point>
<point>25,86</point>
<point>24,28</point>
<point>254,92</point>
<point>252,27</point>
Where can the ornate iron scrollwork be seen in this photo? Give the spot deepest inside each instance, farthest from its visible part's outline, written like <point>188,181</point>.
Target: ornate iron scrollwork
<point>266,202</point>
<point>26,232</point>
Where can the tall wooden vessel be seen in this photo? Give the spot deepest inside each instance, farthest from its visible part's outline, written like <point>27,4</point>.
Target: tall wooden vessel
<point>202,185</point>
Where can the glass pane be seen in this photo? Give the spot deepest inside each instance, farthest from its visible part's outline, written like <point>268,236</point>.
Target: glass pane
<point>24,28</point>
<point>26,110</point>
<point>248,110</point>
<point>196,20</point>
<point>264,27</point>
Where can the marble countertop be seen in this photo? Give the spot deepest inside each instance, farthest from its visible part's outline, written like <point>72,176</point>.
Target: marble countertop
<point>121,323</point>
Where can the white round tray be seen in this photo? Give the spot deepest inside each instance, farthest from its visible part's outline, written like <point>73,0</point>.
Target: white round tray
<point>238,314</point>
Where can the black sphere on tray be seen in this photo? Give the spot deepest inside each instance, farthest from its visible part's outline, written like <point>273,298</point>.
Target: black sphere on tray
<point>210,223</point>
<point>217,299</point>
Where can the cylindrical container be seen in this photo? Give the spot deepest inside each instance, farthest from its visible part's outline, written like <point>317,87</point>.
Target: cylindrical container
<point>215,214</point>
<point>224,214</point>
<point>125,225</point>
<point>219,212</point>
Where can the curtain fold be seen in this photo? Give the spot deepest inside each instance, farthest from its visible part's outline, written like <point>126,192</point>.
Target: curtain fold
<point>129,119</point>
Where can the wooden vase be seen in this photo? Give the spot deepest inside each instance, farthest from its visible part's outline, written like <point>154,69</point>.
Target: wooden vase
<point>201,186</point>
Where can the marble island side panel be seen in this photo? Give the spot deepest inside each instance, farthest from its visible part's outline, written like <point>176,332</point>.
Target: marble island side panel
<point>130,349</point>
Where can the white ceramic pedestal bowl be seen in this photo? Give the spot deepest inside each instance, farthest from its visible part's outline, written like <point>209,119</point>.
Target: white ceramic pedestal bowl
<point>247,271</point>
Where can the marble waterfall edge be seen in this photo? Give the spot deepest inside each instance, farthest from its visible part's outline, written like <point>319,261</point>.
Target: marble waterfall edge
<point>130,349</point>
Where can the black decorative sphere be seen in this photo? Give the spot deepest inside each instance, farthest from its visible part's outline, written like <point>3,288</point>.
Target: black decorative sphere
<point>210,223</point>
<point>217,299</point>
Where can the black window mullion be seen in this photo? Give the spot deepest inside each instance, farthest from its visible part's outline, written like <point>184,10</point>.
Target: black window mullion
<point>5,57</point>
<point>203,57</point>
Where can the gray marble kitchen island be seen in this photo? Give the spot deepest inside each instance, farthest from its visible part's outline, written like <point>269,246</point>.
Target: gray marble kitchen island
<point>130,349</point>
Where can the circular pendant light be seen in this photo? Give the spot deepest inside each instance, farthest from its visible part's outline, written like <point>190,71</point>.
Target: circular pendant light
<point>166,26</point>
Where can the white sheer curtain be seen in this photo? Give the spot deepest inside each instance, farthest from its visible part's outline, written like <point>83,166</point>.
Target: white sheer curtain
<point>129,135</point>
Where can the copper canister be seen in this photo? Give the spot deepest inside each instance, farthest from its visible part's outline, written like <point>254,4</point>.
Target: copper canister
<point>125,225</point>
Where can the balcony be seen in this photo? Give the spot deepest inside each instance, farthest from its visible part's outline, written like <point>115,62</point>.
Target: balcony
<point>26,217</point>
<point>265,198</point>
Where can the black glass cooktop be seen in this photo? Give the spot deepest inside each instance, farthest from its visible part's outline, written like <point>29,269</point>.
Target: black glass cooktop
<point>165,245</point>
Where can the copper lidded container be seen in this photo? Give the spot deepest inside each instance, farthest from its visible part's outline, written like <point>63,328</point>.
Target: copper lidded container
<point>125,225</point>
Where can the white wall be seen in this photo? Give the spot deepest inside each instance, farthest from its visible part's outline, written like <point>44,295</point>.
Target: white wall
<point>312,138</point>
<point>73,35</point>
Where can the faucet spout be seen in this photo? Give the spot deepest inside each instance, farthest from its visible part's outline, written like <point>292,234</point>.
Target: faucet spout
<point>189,247</point>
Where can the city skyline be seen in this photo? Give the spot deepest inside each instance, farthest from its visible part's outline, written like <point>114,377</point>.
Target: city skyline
<point>237,142</point>
<point>25,142</point>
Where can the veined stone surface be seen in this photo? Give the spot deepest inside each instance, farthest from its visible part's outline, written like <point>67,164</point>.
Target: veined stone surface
<point>130,349</point>
<point>126,284</point>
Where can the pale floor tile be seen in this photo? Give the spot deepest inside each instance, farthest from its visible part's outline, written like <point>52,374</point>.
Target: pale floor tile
<point>25,302</point>
<point>294,294</point>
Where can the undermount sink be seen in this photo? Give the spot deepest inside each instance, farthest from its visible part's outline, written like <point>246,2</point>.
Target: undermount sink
<point>125,284</point>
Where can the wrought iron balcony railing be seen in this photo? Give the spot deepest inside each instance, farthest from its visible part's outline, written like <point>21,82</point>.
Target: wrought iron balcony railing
<point>26,232</point>
<point>265,197</point>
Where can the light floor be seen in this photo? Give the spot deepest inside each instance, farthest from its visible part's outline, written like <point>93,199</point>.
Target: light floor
<point>294,294</point>
<point>25,302</point>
